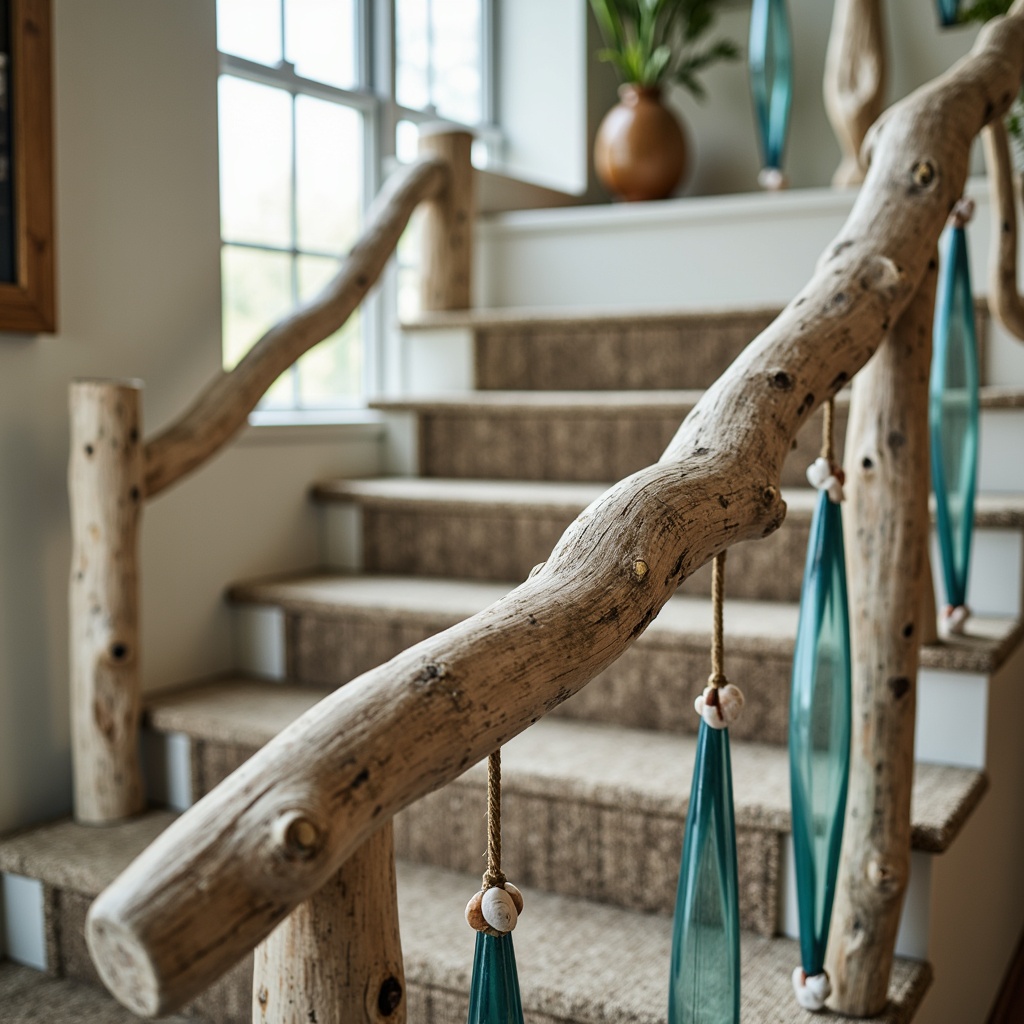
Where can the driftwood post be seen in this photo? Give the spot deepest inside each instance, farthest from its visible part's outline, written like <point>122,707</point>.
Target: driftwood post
<point>887,515</point>
<point>854,84</point>
<point>337,959</point>
<point>105,486</point>
<point>447,258</point>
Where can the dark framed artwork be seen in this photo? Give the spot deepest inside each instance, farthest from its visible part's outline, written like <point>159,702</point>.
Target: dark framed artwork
<point>27,293</point>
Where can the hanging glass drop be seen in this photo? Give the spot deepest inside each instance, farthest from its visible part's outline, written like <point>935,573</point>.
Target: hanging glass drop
<point>949,12</point>
<point>953,415</point>
<point>819,730</point>
<point>771,78</point>
<point>494,988</point>
<point>704,986</point>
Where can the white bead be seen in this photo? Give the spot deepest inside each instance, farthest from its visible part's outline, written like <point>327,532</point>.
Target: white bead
<point>963,211</point>
<point>954,620</point>
<point>727,710</point>
<point>517,896</point>
<point>834,489</point>
<point>499,909</point>
<point>811,990</point>
<point>772,179</point>
<point>818,472</point>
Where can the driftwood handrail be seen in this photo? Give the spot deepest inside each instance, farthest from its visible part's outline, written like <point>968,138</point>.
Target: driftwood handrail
<point>112,472</point>
<point>231,868</point>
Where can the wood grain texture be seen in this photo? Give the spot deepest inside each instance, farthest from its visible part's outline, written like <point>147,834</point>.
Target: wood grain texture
<point>105,487</point>
<point>222,409</point>
<point>1004,298</point>
<point>337,958</point>
<point>854,83</point>
<point>448,220</point>
<point>886,517</point>
<point>416,723</point>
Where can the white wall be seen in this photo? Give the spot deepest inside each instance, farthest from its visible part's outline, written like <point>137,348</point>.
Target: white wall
<point>139,295</point>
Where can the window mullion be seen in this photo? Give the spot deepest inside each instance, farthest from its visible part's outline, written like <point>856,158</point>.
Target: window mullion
<point>294,369</point>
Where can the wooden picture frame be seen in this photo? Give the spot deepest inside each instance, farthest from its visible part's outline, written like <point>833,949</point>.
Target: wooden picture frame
<point>28,295</point>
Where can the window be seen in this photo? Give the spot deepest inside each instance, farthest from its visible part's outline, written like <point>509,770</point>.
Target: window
<point>316,97</point>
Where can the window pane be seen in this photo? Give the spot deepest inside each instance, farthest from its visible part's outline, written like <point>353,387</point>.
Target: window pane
<point>412,53</point>
<point>255,163</point>
<point>321,40</point>
<point>329,169</point>
<point>250,29</point>
<point>407,142</point>
<point>455,59</point>
<point>332,373</point>
<point>257,291</point>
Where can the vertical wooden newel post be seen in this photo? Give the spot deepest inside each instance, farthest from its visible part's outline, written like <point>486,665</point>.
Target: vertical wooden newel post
<point>447,258</point>
<point>854,84</point>
<point>337,959</point>
<point>886,521</point>
<point>105,483</point>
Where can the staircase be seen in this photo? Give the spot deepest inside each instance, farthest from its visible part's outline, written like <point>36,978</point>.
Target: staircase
<point>595,794</point>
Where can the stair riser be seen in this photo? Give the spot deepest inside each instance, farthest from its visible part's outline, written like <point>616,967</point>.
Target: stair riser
<point>628,857</point>
<point>652,686</point>
<point>571,448</point>
<point>612,357</point>
<point>593,447</point>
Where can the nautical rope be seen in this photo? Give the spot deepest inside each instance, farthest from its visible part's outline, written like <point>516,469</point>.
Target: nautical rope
<point>717,677</point>
<point>828,443</point>
<point>494,875</point>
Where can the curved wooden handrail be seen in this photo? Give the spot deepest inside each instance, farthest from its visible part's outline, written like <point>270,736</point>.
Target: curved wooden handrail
<point>219,879</point>
<point>222,409</point>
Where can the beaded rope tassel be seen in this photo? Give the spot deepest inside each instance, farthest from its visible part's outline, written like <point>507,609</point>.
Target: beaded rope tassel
<point>493,912</point>
<point>704,983</point>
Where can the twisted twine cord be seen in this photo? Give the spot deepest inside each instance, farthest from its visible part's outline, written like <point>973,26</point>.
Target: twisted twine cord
<point>717,677</point>
<point>494,875</point>
<point>828,432</point>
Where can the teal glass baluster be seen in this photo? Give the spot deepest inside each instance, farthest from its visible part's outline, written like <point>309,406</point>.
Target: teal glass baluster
<point>704,985</point>
<point>771,81</point>
<point>494,989</point>
<point>819,730</point>
<point>949,12</point>
<point>953,415</point>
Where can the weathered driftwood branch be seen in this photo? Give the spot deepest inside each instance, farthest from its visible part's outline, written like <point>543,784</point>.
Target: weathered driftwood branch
<point>446,266</point>
<point>223,408</point>
<point>416,723</point>
<point>337,958</point>
<point>886,519</point>
<point>854,83</point>
<point>105,485</point>
<point>1004,299</point>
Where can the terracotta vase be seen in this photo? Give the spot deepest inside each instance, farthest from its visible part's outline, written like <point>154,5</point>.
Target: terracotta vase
<point>640,151</point>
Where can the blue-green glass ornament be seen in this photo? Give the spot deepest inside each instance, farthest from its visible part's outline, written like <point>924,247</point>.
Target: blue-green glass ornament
<point>704,985</point>
<point>949,12</point>
<point>953,415</point>
<point>819,730</point>
<point>494,988</point>
<point>771,77</point>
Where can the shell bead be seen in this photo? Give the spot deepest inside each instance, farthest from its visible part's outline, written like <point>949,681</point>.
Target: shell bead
<point>474,915</point>
<point>720,706</point>
<point>499,909</point>
<point>812,990</point>
<point>517,896</point>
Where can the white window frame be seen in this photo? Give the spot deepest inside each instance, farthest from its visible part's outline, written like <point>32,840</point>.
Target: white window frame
<point>375,98</point>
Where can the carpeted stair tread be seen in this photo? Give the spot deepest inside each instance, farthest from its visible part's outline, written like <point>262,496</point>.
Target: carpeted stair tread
<point>28,997</point>
<point>579,762</point>
<point>82,858</point>
<point>754,627</point>
<point>618,974</point>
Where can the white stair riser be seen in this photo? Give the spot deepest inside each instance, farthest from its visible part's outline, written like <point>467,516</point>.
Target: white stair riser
<point>437,361</point>
<point>1000,467</point>
<point>994,577</point>
<point>259,640</point>
<point>912,939</point>
<point>167,766</point>
<point>24,931</point>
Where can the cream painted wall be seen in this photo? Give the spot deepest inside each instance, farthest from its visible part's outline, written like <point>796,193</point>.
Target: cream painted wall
<point>139,296</point>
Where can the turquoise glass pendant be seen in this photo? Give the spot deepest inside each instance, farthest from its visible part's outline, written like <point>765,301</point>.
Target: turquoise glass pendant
<point>949,12</point>
<point>704,985</point>
<point>494,988</point>
<point>771,81</point>
<point>953,415</point>
<point>819,730</point>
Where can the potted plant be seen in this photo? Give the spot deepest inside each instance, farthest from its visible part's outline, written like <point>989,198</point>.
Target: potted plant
<point>640,151</point>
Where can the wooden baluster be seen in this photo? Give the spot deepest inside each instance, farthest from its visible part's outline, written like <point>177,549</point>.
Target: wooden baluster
<point>447,255</point>
<point>337,959</point>
<point>886,519</point>
<point>854,84</point>
<point>105,486</point>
